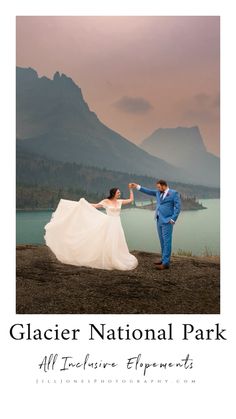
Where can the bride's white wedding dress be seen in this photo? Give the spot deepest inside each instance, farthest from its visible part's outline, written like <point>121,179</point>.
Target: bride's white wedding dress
<point>79,234</point>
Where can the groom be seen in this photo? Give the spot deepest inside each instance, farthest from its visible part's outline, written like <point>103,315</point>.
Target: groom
<point>168,207</point>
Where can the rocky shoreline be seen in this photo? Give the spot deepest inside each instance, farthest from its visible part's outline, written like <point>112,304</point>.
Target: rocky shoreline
<point>46,286</point>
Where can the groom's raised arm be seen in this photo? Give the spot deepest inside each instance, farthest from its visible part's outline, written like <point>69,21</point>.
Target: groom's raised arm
<point>147,191</point>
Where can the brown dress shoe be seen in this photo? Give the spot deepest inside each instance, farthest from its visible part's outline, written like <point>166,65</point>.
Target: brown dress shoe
<point>158,263</point>
<point>161,267</point>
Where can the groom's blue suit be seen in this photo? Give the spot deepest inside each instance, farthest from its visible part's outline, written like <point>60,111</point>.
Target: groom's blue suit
<point>167,209</point>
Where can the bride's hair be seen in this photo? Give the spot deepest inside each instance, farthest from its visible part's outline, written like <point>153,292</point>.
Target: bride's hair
<point>112,193</point>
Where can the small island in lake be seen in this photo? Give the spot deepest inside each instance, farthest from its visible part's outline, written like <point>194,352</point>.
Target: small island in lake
<point>188,204</point>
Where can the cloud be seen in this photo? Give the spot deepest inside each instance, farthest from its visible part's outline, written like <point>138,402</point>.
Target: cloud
<point>136,105</point>
<point>202,108</point>
<point>204,100</point>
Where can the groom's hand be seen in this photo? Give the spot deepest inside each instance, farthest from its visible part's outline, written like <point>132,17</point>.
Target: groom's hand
<point>133,185</point>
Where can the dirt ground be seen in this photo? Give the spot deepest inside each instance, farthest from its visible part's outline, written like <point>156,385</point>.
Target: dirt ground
<point>46,286</point>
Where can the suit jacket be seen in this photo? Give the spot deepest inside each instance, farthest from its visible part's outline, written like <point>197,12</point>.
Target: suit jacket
<point>168,208</point>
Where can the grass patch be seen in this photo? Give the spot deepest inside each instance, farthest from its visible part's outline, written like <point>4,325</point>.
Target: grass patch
<point>181,252</point>
<point>207,252</point>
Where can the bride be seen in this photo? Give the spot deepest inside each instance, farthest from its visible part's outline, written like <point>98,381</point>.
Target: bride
<point>80,235</point>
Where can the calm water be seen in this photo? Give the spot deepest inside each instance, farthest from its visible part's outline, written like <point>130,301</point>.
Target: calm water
<point>194,230</point>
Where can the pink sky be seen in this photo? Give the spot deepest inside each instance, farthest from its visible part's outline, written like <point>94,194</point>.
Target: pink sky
<point>137,73</point>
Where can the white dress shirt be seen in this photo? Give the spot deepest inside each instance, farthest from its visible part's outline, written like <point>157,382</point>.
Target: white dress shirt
<point>165,193</point>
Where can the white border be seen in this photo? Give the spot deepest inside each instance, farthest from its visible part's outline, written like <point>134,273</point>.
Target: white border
<point>214,359</point>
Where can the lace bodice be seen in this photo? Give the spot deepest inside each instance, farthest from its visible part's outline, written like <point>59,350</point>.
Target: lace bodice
<point>110,209</point>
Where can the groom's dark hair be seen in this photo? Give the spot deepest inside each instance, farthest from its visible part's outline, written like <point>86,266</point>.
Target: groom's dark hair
<point>162,182</point>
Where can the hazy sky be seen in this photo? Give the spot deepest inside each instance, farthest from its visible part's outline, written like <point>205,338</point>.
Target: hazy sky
<point>137,73</point>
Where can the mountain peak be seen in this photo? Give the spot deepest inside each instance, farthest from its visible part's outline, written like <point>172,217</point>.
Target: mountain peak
<point>178,129</point>
<point>184,147</point>
<point>59,98</point>
<point>187,139</point>
<point>63,78</point>
<point>56,76</point>
<point>26,72</point>
<point>54,120</point>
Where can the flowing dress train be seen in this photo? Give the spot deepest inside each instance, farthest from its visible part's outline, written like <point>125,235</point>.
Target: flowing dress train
<point>79,234</point>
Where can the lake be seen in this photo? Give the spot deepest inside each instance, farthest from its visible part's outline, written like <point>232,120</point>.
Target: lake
<point>194,231</point>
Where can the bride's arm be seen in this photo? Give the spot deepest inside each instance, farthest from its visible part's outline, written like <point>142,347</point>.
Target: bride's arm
<point>130,200</point>
<point>99,204</point>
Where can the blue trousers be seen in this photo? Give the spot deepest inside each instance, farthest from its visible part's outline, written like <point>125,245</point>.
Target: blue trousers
<point>165,235</point>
